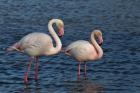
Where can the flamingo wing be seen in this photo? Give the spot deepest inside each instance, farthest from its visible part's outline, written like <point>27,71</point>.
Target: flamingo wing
<point>35,43</point>
<point>81,50</point>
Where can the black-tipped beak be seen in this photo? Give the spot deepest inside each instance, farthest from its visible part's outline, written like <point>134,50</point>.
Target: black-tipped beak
<point>100,44</point>
<point>60,36</point>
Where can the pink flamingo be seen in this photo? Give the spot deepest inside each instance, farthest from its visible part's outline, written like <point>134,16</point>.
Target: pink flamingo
<point>37,44</point>
<point>83,50</point>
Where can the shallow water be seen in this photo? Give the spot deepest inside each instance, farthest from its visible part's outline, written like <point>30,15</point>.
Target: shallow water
<point>117,72</point>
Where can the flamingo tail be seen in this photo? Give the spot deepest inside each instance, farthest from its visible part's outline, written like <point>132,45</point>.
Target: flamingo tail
<point>13,47</point>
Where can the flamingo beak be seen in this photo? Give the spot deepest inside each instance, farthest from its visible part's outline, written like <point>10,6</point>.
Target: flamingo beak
<point>100,44</point>
<point>61,32</point>
<point>100,40</point>
<point>60,36</point>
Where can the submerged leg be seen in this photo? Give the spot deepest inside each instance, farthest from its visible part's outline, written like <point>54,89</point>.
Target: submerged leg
<point>27,71</point>
<point>85,68</point>
<point>36,68</point>
<point>79,68</point>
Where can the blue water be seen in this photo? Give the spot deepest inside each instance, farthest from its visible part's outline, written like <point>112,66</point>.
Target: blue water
<point>117,72</point>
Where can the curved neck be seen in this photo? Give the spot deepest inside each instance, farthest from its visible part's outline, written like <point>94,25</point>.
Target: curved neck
<point>96,46</point>
<point>56,49</point>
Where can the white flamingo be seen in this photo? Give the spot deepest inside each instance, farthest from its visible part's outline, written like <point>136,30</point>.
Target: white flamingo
<point>84,51</point>
<point>37,44</point>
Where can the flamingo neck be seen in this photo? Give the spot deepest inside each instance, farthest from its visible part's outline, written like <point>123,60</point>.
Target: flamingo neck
<point>96,46</point>
<point>58,46</point>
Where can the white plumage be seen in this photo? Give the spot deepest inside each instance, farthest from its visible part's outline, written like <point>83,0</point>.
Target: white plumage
<point>37,44</point>
<point>83,51</point>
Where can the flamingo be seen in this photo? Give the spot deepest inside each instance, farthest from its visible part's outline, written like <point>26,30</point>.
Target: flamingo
<point>37,44</point>
<point>84,51</point>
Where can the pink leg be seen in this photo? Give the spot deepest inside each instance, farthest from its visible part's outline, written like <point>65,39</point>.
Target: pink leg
<point>27,71</point>
<point>85,66</point>
<point>79,68</point>
<point>36,68</point>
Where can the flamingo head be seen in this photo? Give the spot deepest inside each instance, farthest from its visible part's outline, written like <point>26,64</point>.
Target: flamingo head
<point>60,26</point>
<point>98,33</point>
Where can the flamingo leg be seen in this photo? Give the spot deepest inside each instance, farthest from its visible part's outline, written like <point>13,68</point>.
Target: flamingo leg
<point>85,68</point>
<point>79,68</point>
<point>36,68</point>
<point>27,71</point>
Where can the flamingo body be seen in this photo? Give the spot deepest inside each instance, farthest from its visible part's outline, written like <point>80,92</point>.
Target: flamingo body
<point>35,44</point>
<point>81,50</point>
<point>84,51</point>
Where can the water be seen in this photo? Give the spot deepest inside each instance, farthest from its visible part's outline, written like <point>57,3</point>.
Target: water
<point>117,72</point>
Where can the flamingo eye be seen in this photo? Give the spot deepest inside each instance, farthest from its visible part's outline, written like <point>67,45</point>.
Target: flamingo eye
<point>60,25</point>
